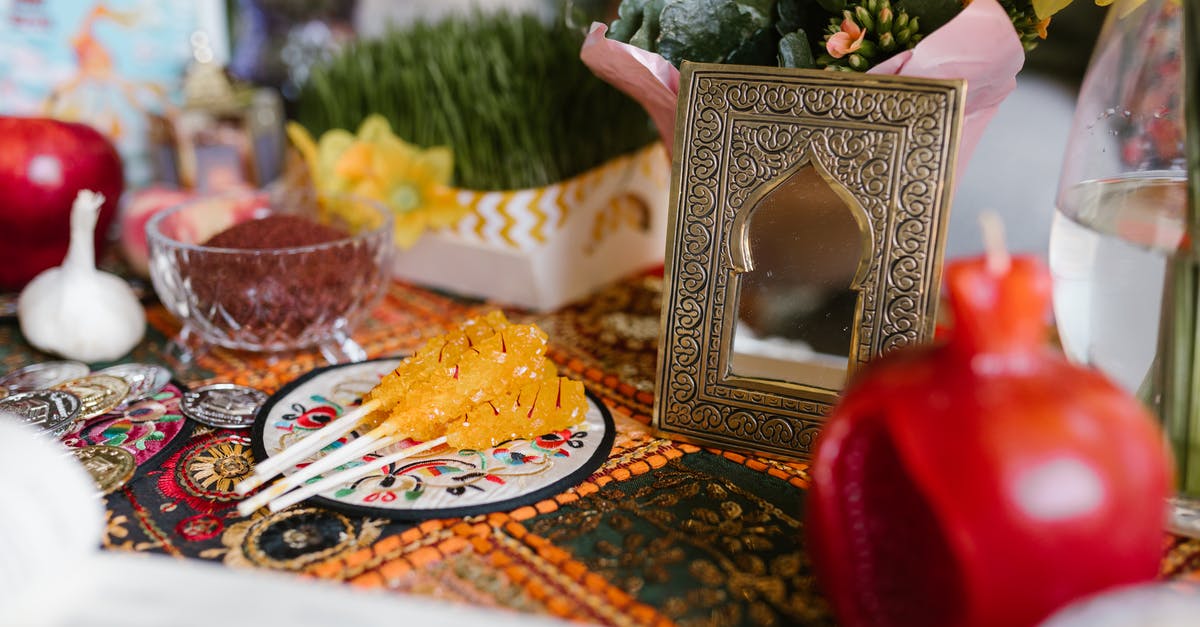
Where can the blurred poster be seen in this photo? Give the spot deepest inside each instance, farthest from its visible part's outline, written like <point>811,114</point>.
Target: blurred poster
<point>108,63</point>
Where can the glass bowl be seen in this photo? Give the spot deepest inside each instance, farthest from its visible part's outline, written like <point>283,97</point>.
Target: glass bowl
<point>270,299</point>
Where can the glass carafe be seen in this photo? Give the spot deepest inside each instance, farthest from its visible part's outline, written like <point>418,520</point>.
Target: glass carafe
<point>1124,268</point>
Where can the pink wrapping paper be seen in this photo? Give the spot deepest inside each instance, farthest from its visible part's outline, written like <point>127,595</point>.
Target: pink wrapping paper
<point>642,75</point>
<point>979,45</point>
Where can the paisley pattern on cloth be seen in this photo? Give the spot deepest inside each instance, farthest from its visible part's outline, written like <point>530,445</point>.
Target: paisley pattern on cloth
<point>145,428</point>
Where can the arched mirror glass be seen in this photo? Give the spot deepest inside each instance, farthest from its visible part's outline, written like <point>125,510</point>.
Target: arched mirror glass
<point>806,245</point>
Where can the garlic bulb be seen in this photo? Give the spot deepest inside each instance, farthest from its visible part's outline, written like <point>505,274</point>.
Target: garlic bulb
<point>75,310</point>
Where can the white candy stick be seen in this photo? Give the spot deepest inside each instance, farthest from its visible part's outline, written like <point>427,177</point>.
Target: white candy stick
<point>355,448</point>
<point>350,474</point>
<point>310,444</point>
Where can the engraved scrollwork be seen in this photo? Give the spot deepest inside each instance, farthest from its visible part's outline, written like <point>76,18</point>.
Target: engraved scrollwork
<point>885,144</point>
<point>874,176</point>
<point>818,102</point>
<point>904,273</point>
<point>695,274</point>
<point>709,126</point>
<point>901,320</point>
<point>920,162</point>
<point>686,353</point>
<point>708,418</point>
<point>778,431</point>
<point>915,196</point>
<point>703,165</point>
<point>711,95</point>
<point>848,145</point>
<point>687,313</point>
<point>743,424</point>
<point>910,236</point>
<point>856,104</point>
<point>742,97</point>
<point>893,109</point>
<point>781,98</point>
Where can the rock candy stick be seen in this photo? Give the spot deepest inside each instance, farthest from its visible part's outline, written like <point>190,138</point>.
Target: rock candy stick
<point>308,445</point>
<point>377,438</point>
<point>350,474</point>
<point>487,370</point>
<point>538,408</point>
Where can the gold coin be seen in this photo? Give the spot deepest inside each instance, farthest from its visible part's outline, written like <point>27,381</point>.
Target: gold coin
<point>98,393</point>
<point>111,467</point>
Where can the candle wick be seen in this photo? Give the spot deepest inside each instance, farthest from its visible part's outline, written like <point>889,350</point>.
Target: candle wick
<point>996,252</point>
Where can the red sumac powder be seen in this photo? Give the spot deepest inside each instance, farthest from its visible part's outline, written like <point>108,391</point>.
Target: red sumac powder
<point>271,296</point>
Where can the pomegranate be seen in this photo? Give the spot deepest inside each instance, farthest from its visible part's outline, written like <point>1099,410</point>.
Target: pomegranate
<point>985,481</point>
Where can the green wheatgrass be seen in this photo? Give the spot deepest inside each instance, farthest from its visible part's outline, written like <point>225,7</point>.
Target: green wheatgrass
<point>506,92</point>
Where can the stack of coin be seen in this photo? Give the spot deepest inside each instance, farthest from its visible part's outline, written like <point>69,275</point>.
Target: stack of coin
<point>145,380</point>
<point>111,467</point>
<point>223,405</point>
<point>43,376</point>
<point>57,395</point>
<point>30,395</point>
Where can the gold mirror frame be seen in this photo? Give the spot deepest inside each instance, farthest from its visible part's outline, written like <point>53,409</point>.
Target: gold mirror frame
<point>886,145</point>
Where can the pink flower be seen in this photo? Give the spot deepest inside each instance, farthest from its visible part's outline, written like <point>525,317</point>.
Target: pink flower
<point>847,40</point>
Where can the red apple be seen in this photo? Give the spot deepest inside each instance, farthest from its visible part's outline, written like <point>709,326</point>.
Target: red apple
<point>43,164</point>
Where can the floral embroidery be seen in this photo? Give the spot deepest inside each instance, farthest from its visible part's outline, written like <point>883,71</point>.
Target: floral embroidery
<point>144,428</point>
<point>204,473</point>
<point>200,527</point>
<point>462,471</point>
<point>294,538</point>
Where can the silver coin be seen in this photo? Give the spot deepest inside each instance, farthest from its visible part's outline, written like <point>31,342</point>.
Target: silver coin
<point>143,379</point>
<point>43,376</point>
<point>224,405</point>
<point>52,410</point>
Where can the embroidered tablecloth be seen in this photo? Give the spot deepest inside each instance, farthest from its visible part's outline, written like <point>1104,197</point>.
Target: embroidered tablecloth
<point>662,533</point>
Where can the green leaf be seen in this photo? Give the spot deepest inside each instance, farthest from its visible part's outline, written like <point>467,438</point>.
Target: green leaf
<point>791,16</point>
<point>629,19</point>
<point>702,30</point>
<point>794,51</point>
<point>932,13</point>
<point>834,7</point>
<point>646,37</point>
<point>760,49</point>
<point>761,11</point>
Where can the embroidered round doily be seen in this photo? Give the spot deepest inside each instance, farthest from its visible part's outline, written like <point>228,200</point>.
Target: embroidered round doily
<point>439,484</point>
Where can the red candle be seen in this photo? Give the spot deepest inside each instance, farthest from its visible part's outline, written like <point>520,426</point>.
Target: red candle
<point>984,481</point>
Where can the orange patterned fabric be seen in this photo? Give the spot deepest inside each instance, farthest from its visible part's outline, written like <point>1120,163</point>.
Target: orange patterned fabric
<point>662,533</point>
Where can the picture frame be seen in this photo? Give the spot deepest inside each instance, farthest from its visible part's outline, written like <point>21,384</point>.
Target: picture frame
<point>840,181</point>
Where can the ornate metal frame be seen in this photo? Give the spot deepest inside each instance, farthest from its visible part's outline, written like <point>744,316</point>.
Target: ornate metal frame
<point>888,143</point>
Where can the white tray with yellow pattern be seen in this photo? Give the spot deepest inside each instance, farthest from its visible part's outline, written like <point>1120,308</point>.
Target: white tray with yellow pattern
<point>545,247</point>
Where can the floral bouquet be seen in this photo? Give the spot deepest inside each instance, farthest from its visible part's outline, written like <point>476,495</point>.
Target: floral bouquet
<point>983,42</point>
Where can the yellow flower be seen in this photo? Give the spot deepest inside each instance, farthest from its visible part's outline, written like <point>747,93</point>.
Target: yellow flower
<point>1045,8</point>
<point>412,182</point>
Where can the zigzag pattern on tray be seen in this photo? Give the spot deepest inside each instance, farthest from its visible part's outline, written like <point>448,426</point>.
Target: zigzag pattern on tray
<point>525,219</point>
